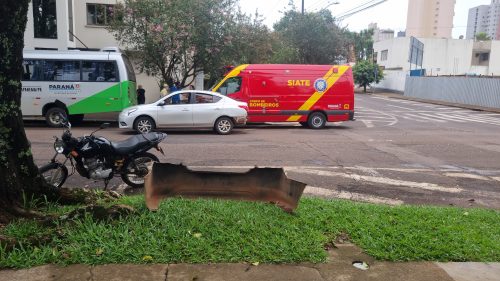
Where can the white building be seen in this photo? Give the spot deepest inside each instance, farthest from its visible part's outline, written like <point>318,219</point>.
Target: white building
<point>441,57</point>
<point>430,18</point>
<point>486,19</point>
<point>380,34</point>
<point>77,24</point>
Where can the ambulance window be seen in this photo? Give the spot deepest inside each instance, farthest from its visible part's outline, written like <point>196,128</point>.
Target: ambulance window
<point>232,85</point>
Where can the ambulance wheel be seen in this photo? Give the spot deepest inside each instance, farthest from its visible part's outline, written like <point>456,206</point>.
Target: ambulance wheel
<point>317,120</point>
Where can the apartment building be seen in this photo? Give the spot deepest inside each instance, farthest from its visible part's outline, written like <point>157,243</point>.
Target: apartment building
<point>430,18</point>
<point>380,34</point>
<point>484,19</point>
<point>78,24</point>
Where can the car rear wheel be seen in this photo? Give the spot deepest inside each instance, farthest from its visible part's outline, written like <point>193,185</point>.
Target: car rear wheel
<point>317,120</point>
<point>144,124</point>
<point>223,126</point>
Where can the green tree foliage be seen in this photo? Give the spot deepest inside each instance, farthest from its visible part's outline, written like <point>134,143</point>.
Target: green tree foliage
<point>364,73</point>
<point>174,39</point>
<point>482,36</point>
<point>362,42</point>
<point>312,38</point>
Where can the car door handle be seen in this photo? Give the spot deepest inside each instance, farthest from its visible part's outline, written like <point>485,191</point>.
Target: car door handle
<point>217,108</point>
<point>185,109</point>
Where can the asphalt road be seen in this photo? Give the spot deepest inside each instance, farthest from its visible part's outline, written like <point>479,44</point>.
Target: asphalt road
<point>396,152</point>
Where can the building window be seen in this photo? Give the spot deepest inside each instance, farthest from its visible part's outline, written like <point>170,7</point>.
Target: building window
<point>45,19</point>
<point>99,14</point>
<point>383,55</point>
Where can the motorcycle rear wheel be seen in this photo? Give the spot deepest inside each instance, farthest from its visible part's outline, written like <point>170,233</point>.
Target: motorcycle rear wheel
<point>134,178</point>
<point>54,174</point>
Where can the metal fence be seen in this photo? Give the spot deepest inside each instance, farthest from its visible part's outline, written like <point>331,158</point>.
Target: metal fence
<point>464,90</point>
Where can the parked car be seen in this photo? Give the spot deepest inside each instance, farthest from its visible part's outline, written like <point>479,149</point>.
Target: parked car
<point>186,109</point>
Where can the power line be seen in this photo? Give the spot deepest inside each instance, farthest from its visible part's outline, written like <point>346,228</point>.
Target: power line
<point>348,14</point>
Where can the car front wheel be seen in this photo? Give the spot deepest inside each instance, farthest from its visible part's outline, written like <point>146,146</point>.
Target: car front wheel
<point>144,124</point>
<point>223,126</point>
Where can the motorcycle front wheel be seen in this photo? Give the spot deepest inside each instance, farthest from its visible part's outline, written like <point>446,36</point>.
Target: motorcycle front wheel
<point>136,168</point>
<point>54,174</point>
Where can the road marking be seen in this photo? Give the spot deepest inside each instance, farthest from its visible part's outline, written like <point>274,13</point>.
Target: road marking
<point>368,123</point>
<point>406,108</point>
<point>467,176</point>
<point>416,120</point>
<point>312,190</point>
<point>384,180</point>
<point>483,119</point>
<point>438,115</point>
<point>425,118</point>
<point>496,178</point>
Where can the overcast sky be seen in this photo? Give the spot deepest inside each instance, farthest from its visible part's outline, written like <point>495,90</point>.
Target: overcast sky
<point>391,14</point>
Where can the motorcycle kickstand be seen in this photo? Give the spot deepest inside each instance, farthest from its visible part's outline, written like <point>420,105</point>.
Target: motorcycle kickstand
<point>106,182</point>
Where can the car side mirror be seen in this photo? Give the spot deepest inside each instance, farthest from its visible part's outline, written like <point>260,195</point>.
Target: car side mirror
<point>161,103</point>
<point>104,125</point>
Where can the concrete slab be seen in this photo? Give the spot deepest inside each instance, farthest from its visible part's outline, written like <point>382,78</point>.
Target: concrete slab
<point>472,271</point>
<point>132,272</point>
<point>241,272</point>
<point>48,272</point>
<point>340,268</point>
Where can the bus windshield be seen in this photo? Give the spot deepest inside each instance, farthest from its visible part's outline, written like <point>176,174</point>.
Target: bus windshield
<point>129,68</point>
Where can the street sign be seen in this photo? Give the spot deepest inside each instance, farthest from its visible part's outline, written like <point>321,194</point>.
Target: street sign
<point>416,55</point>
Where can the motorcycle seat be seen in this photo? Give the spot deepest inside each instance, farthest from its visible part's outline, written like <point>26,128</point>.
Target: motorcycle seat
<point>135,143</point>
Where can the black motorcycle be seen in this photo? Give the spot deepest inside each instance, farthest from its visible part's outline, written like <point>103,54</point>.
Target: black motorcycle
<point>95,157</point>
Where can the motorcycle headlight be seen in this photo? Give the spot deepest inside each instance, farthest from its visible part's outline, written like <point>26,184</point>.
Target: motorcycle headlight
<point>132,111</point>
<point>59,146</point>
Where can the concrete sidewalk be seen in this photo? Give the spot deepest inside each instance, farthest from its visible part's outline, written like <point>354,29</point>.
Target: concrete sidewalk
<point>339,268</point>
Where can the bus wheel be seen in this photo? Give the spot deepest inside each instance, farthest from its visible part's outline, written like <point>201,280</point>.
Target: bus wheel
<point>55,116</point>
<point>317,120</point>
<point>76,119</point>
<point>144,124</point>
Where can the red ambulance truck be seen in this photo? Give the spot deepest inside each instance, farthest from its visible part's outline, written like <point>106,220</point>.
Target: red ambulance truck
<point>309,94</point>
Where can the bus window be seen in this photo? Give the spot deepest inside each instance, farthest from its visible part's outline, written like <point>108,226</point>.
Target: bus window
<point>32,70</point>
<point>230,86</point>
<point>99,71</point>
<point>48,70</point>
<point>65,70</point>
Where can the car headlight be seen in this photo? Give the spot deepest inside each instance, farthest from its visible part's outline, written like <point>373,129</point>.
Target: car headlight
<point>59,146</point>
<point>131,111</point>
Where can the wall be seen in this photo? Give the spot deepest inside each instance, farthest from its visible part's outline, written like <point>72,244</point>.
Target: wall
<point>62,42</point>
<point>394,80</point>
<point>463,90</point>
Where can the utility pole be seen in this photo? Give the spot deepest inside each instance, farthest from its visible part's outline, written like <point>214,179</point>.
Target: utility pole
<point>302,6</point>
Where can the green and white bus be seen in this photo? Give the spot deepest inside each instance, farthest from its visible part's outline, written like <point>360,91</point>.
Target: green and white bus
<point>75,83</point>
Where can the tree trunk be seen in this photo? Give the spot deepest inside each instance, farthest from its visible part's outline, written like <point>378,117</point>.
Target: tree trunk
<point>18,173</point>
<point>364,88</point>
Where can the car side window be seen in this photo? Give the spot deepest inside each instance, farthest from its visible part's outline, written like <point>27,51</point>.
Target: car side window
<point>206,98</point>
<point>232,85</point>
<point>182,98</point>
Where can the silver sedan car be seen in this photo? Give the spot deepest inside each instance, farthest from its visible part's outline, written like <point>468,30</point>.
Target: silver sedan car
<point>186,109</point>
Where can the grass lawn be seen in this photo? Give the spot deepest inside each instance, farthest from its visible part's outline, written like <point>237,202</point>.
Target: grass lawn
<point>202,231</point>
